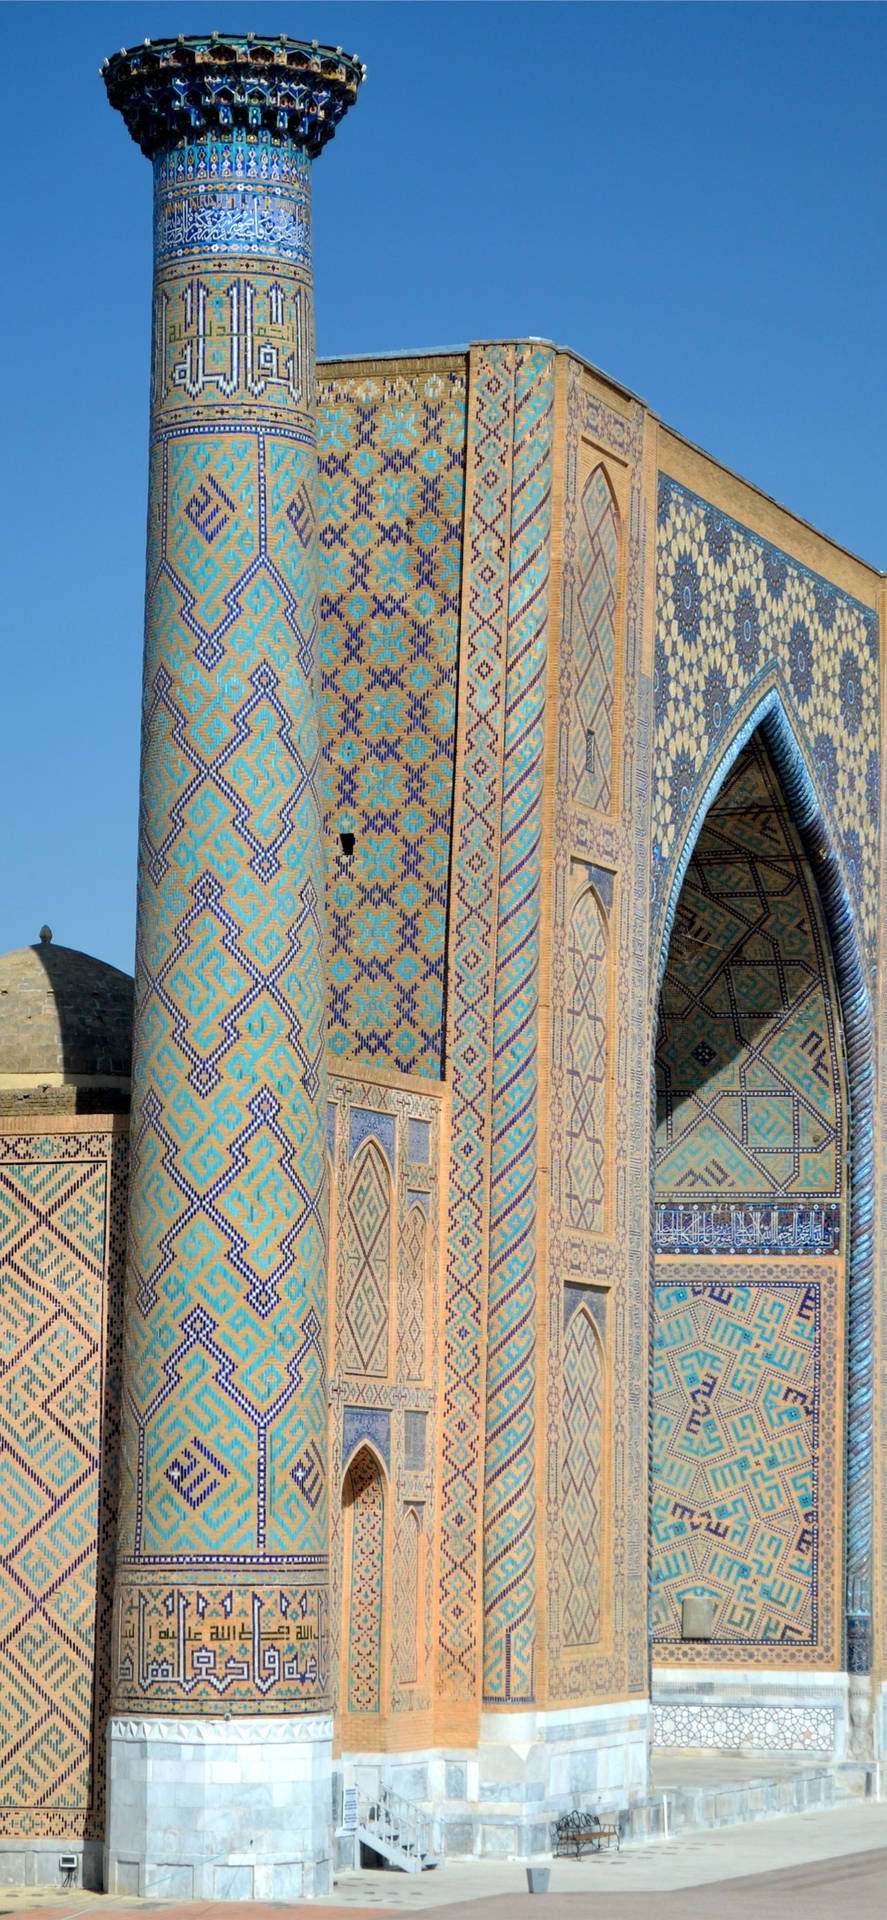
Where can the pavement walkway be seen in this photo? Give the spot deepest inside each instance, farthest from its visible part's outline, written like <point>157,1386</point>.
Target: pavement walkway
<point>808,1866</point>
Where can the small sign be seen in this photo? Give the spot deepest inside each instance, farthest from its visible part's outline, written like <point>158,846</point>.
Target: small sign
<point>349,1809</point>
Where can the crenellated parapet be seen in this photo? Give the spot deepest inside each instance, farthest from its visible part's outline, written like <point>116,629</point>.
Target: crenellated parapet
<point>179,90</point>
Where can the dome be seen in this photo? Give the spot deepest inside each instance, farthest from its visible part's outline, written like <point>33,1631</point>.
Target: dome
<point>65,1025</point>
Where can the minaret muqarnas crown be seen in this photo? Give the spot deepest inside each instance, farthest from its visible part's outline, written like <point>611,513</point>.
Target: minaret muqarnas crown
<point>172,90</point>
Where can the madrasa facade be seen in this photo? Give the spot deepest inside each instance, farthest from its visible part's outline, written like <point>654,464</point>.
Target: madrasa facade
<point>440,1318</point>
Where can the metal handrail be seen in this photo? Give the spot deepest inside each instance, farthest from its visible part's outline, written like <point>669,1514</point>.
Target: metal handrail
<point>400,1822</point>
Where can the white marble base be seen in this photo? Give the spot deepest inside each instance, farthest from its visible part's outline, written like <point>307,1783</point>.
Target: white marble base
<point>223,1809</point>
<point>497,1800</point>
<point>35,1863</point>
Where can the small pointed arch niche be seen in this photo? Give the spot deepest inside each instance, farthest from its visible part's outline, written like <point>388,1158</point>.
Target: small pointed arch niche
<point>363,1499</point>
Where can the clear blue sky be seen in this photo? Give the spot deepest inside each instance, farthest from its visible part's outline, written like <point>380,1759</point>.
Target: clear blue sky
<point>693,196</point>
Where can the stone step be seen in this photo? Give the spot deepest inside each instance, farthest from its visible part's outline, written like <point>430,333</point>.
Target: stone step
<point>728,1803</point>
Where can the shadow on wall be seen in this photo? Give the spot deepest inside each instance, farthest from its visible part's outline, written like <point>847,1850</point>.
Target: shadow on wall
<point>748,1072</point>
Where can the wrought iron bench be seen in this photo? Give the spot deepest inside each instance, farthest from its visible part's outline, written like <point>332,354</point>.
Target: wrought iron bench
<point>577,1833</point>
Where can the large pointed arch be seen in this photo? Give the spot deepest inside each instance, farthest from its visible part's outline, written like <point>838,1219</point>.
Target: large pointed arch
<point>769,715</point>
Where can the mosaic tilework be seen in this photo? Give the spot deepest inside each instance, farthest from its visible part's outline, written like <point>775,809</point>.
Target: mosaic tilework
<point>586,1062</point>
<point>395,1412</point>
<point>365,1616</point>
<point>475,853</point>
<point>593,622</point>
<point>61,1255</point>
<point>367,1266</point>
<point>391,451</point>
<point>731,611</point>
<point>769,1729</point>
<point>224,1488</point>
<point>744,1495</point>
<point>406,1600</point>
<point>582,1450</point>
<point>510,1456</point>
<point>411,1304</point>
<point>366,1124</point>
<point>608,852</point>
<point>749,1091</point>
<point>367,1423</point>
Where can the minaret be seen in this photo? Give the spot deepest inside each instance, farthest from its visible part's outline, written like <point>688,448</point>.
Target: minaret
<point>220,1737</point>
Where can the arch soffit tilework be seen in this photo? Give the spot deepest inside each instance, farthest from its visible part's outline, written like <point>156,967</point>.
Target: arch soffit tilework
<point>361,1445</point>
<point>767,712</point>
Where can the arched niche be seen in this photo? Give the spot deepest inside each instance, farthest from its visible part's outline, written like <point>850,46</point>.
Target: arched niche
<point>586,1031</point>
<point>366,1269</point>
<point>809,822</point>
<point>582,1482</point>
<point>363,1497</point>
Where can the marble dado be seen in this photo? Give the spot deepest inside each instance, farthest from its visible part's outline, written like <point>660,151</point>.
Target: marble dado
<point>224,1731</point>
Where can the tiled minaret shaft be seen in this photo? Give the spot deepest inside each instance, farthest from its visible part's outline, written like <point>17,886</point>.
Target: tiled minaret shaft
<point>221,1601</point>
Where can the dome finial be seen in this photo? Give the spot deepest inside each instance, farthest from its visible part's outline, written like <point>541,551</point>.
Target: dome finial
<point>45,935</point>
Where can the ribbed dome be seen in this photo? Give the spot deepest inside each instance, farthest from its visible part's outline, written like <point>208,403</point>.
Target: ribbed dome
<point>62,1012</point>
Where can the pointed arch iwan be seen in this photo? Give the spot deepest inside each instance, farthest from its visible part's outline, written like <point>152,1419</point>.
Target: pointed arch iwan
<point>839,914</point>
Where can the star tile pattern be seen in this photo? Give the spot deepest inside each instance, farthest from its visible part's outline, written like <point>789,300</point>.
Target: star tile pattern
<point>391,456</point>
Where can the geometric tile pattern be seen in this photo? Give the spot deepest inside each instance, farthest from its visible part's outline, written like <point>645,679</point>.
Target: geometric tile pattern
<point>735,1512</point>
<point>472,936</point>
<point>392,1414</point>
<point>510,1453</point>
<point>61,1264</point>
<point>605,855</point>
<point>586,1048</point>
<point>769,1729</point>
<point>734,613</point>
<point>748,1068</point>
<point>582,1482</point>
<point>366,1612</point>
<point>407,1616</point>
<point>411,1312</point>
<point>391,457</point>
<point>228,1202</point>
<point>594,643</point>
<point>366,1271</point>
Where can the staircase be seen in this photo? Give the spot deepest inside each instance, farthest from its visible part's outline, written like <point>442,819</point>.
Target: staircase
<point>397,1831</point>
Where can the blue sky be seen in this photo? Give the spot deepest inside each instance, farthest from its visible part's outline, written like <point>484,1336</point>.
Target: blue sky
<point>693,196</point>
